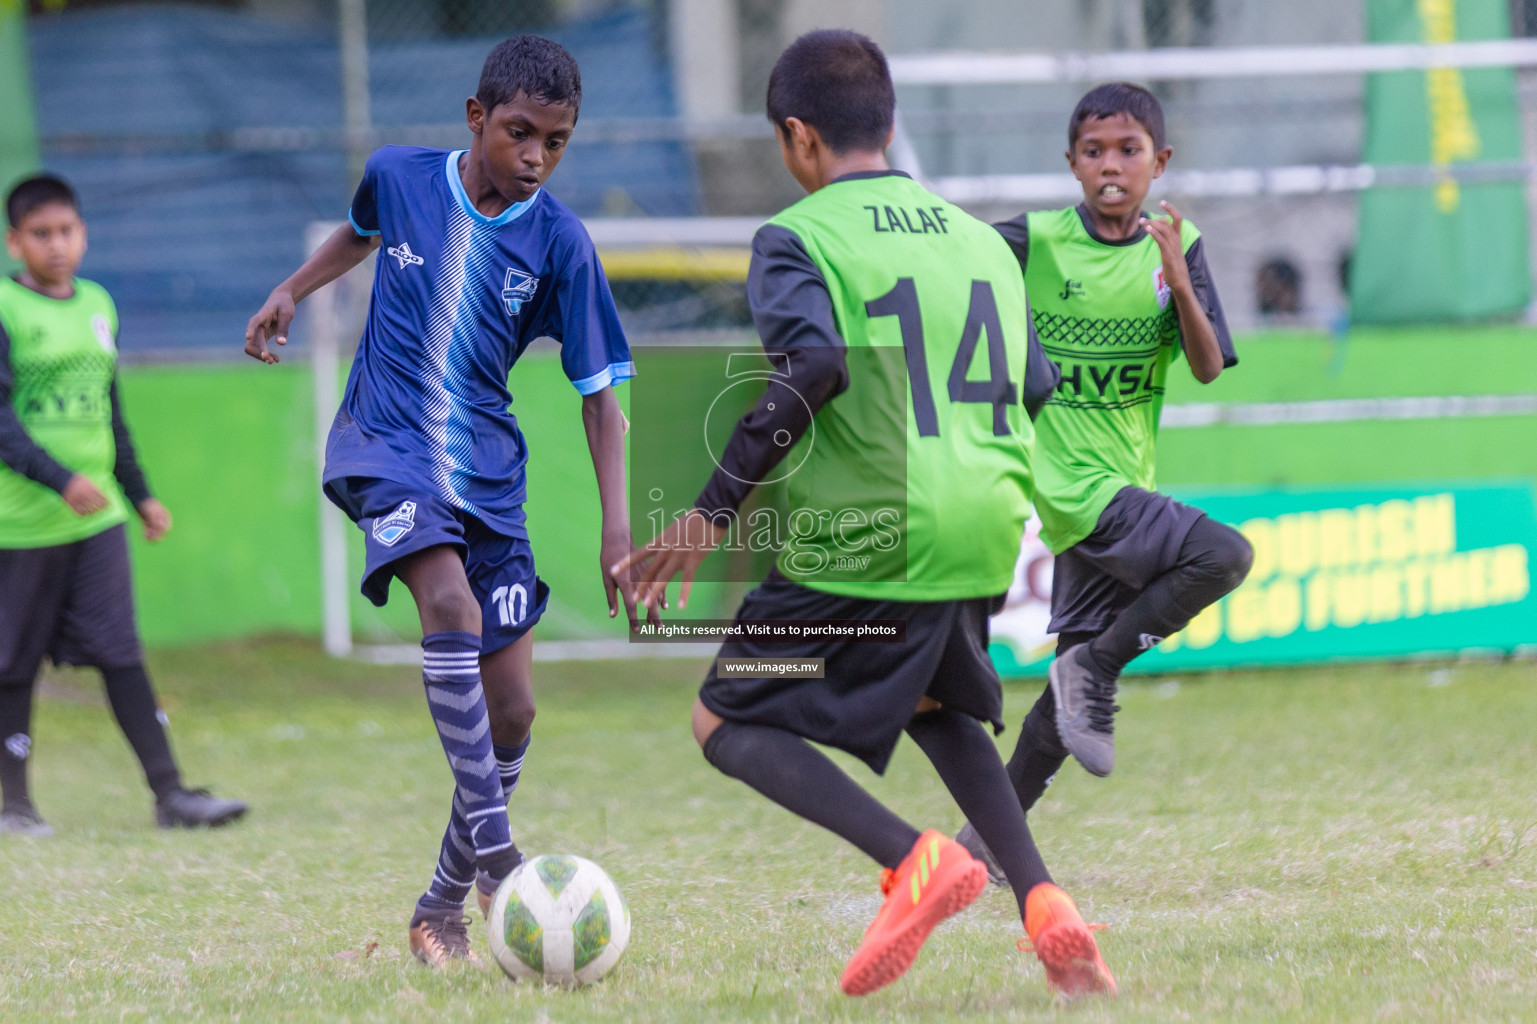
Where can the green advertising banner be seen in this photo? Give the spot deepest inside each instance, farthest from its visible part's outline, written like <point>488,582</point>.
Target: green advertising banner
<point>18,134</point>
<point>1455,251</point>
<point>1343,574</point>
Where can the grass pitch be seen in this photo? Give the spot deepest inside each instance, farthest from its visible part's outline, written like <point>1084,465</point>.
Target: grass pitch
<point>1333,844</point>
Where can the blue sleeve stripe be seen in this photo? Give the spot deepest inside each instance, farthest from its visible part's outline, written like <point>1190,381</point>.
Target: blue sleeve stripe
<point>613,373</point>
<point>365,233</point>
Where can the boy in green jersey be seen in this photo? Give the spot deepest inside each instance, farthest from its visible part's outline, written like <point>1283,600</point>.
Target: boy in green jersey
<point>1115,296</point>
<point>902,327</point>
<point>66,468</point>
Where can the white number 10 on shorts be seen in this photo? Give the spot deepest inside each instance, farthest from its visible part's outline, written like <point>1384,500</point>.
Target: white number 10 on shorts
<point>511,604</point>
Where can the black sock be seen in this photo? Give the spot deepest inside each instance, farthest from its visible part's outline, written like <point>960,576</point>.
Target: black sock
<point>802,780</point>
<point>1039,754</point>
<point>1213,560</point>
<point>133,703</point>
<point>964,755</point>
<point>15,743</point>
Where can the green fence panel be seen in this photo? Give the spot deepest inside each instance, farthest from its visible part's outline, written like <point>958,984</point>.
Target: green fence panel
<point>230,448</point>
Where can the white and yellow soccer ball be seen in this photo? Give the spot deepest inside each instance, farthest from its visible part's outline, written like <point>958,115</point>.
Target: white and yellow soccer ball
<point>558,919</point>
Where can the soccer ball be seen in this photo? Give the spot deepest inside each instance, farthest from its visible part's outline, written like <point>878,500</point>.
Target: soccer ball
<point>558,919</point>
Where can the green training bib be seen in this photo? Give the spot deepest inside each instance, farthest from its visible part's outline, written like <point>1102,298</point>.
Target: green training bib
<point>922,466</point>
<point>1105,316</point>
<point>63,357</point>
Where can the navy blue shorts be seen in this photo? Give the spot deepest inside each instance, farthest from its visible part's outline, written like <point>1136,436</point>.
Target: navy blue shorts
<point>1136,540</point>
<point>399,519</point>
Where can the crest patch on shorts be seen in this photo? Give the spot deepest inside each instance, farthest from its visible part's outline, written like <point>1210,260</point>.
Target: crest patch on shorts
<point>397,524</point>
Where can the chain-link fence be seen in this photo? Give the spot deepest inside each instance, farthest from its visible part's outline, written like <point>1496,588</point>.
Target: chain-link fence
<point>204,137</point>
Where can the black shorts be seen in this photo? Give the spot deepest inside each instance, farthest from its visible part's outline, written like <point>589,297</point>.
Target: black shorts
<point>71,603</point>
<point>1136,540</point>
<point>869,690</point>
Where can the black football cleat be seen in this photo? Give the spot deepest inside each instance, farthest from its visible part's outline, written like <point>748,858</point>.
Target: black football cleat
<point>1085,709</point>
<point>24,821</point>
<point>196,808</point>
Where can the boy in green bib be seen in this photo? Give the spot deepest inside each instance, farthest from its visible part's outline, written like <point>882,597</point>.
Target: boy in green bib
<point>902,414</point>
<point>1116,296</point>
<point>68,476</point>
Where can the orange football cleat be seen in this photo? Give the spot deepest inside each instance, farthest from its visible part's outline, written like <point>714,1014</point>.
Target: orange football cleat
<point>1064,944</point>
<point>936,879</point>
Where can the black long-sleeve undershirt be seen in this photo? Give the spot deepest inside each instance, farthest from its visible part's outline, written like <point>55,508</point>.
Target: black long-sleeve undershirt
<point>793,312</point>
<point>126,468</point>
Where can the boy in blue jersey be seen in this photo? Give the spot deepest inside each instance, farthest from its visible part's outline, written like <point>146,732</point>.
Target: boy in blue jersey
<point>425,455</point>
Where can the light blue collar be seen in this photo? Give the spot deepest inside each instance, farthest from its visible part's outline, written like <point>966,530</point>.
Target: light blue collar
<point>456,185</point>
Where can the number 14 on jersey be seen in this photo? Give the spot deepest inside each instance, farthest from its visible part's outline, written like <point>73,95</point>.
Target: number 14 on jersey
<point>981,315</point>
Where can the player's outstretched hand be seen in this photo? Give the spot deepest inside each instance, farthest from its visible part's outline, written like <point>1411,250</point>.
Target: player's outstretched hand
<point>270,322</point>
<point>82,496</point>
<point>676,551</point>
<point>616,547</point>
<point>1170,246</point>
<point>156,518</point>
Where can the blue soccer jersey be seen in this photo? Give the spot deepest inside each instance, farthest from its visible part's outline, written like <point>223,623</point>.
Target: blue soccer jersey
<point>457,297</point>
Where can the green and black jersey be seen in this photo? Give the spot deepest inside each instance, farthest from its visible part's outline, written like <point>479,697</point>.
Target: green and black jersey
<point>1106,317</point>
<point>59,415</point>
<point>906,326</point>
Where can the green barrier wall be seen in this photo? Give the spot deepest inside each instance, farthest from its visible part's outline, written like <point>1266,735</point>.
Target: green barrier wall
<point>18,133</point>
<point>1368,364</point>
<point>230,448</point>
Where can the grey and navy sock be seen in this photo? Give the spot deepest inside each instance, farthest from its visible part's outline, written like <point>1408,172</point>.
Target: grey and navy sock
<point>509,764</point>
<point>455,872</point>
<point>432,907</point>
<point>451,674</point>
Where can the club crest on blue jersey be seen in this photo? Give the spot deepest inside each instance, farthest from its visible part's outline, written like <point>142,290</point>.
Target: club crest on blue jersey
<point>397,524</point>
<point>518,289</point>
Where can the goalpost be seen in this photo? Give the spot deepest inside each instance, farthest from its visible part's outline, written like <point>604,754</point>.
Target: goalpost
<point>325,318</point>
